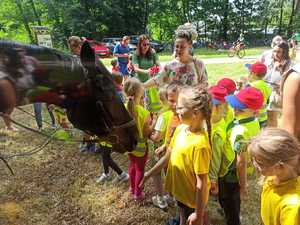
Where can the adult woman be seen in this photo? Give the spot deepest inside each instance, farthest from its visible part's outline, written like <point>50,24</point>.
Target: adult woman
<point>291,101</point>
<point>184,67</point>
<point>143,59</point>
<point>279,64</point>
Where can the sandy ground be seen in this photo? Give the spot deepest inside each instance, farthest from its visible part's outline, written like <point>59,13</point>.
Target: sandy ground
<point>57,187</point>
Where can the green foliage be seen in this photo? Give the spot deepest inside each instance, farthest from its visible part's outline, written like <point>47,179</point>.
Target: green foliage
<point>214,19</point>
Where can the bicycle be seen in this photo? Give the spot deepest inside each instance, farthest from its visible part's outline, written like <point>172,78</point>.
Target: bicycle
<point>237,49</point>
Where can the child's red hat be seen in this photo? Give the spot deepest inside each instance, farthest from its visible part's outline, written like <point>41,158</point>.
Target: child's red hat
<point>228,84</point>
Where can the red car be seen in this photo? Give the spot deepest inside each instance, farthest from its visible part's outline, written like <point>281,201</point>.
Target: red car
<point>101,49</point>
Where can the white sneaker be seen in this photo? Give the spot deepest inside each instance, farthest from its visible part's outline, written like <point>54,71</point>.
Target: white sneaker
<point>170,200</point>
<point>104,177</point>
<point>159,201</point>
<point>123,177</point>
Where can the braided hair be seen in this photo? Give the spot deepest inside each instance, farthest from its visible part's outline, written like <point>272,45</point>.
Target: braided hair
<point>131,89</point>
<point>186,31</point>
<point>198,98</point>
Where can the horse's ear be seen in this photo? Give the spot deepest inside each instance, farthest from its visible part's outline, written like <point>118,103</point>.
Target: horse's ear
<point>87,56</point>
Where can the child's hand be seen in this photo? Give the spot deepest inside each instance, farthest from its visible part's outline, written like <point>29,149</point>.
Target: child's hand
<point>51,107</point>
<point>194,219</point>
<point>214,189</point>
<point>160,150</point>
<point>143,181</point>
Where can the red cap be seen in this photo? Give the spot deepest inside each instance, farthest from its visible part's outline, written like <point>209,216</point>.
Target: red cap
<point>258,68</point>
<point>251,97</point>
<point>228,84</point>
<point>218,94</point>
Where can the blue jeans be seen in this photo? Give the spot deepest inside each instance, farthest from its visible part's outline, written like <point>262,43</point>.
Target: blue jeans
<point>38,114</point>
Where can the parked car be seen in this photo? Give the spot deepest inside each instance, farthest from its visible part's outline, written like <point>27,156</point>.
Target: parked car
<point>100,48</point>
<point>156,45</point>
<point>111,42</point>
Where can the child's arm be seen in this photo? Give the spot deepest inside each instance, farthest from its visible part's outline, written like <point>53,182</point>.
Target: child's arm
<point>215,164</point>
<point>156,136</point>
<point>201,199</point>
<point>157,167</point>
<point>160,127</point>
<point>149,126</point>
<point>241,165</point>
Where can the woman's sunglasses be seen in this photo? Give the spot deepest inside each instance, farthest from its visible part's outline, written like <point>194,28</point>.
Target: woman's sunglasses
<point>145,44</point>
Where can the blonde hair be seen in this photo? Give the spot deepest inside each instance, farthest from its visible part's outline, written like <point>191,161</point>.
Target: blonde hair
<point>198,98</point>
<point>186,31</point>
<point>163,93</point>
<point>131,89</point>
<point>273,146</point>
<point>74,42</point>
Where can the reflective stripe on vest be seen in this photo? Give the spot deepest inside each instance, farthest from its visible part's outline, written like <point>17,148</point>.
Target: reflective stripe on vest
<point>105,144</point>
<point>152,99</point>
<point>140,148</point>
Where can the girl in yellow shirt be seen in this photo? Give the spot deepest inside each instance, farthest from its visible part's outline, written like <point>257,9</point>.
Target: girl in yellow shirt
<point>276,155</point>
<point>188,156</point>
<point>134,91</point>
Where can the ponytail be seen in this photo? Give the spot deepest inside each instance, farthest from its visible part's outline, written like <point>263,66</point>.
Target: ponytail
<point>131,87</point>
<point>131,106</point>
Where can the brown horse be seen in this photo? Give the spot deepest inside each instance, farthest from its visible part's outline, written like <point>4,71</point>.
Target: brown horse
<point>83,86</point>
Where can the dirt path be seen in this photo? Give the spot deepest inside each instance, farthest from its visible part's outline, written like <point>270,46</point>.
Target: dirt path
<point>57,187</point>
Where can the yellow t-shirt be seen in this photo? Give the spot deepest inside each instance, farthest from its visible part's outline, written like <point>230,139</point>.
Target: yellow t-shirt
<point>190,155</point>
<point>280,204</point>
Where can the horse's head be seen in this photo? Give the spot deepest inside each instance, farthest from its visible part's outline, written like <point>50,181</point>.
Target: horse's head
<point>85,89</point>
<point>110,117</point>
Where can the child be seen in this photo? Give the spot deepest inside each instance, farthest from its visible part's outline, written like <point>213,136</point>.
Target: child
<point>115,68</point>
<point>276,155</point>
<point>134,91</point>
<point>223,155</point>
<point>188,156</point>
<point>107,162</point>
<point>230,86</point>
<point>130,67</point>
<point>163,124</point>
<point>257,72</point>
<point>118,80</point>
<point>233,185</point>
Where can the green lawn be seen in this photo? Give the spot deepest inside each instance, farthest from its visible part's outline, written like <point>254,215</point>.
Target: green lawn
<point>230,70</point>
<point>201,53</point>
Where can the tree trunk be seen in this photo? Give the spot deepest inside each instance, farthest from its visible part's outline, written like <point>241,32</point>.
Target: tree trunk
<point>25,21</point>
<point>280,18</point>
<point>35,13</point>
<point>225,21</point>
<point>290,25</point>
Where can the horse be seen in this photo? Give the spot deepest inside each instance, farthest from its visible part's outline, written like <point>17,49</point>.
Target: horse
<point>81,85</point>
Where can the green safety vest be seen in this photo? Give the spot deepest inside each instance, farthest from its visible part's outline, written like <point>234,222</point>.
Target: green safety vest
<point>153,103</point>
<point>228,154</point>
<point>243,129</point>
<point>266,90</point>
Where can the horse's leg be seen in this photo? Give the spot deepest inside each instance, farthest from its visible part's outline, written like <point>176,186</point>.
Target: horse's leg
<point>7,100</point>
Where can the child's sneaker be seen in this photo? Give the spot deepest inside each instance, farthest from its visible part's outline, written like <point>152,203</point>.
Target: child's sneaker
<point>104,177</point>
<point>123,177</point>
<point>83,148</point>
<point>169,200</point>
<point>91,147</point>
<point>139,197</point>
<point>159,201</point>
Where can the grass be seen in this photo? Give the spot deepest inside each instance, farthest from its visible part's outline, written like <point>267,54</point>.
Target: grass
<point>230,70</point>
<point>201,53</point>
